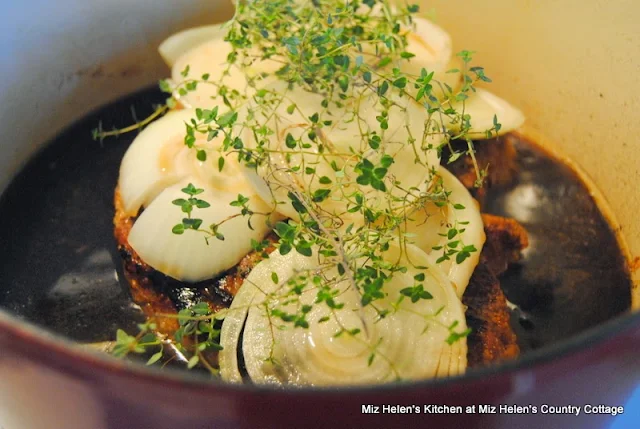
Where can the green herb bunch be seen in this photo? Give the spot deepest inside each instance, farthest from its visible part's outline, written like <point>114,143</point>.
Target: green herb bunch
<point>346,53</point>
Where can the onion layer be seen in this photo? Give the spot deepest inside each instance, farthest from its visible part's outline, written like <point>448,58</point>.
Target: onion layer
<point>188,257</point>
<point>179,43</point>
<point>339,141</point>
<point>158,158</point>
<point>430,223</point>
<point>149,166</point>
<point>209,58</point>
<point>155,168</point>
<point>409,343</point>
<point>431,46</point>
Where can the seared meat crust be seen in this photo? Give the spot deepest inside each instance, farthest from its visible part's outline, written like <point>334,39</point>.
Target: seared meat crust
<point>158,294</point>
<point>491,339</point>
<point>498,156</point>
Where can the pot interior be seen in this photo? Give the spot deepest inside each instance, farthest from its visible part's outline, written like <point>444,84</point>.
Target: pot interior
<point>61,271</point>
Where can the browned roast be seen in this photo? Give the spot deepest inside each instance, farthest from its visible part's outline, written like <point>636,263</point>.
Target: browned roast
<point>158,294</point>
<point>506,238</point>
<point>491,339</point>
<point>498,156</point>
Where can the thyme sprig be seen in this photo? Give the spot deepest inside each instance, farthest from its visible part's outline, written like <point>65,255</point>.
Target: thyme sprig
<point>196,340</point>
<point>347,53</point>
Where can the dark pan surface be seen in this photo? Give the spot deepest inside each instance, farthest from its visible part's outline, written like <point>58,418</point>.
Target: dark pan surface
<point>60,270</point>
<point>573,275</point>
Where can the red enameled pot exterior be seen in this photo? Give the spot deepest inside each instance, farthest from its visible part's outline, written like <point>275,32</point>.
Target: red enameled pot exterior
<point>47,384</point>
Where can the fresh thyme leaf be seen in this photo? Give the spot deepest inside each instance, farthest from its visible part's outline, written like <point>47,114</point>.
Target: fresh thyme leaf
<point>284,248</point>
<point>154,358</point>
<point>345,56</point>
<point>416,293</point>
<point>193,361</point>
<point>457,336</point>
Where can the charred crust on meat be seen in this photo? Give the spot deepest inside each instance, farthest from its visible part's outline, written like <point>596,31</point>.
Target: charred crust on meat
<point>497,155</point>
<point>491,339</point>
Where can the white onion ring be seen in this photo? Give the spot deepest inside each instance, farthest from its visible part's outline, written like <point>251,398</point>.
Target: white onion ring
<point>343,136</point>
<point>314,357</point>
<point>430,221</point>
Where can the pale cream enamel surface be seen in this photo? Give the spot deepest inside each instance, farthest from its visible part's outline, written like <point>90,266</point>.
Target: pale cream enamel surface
<point>574,70</point>
<point>62,68</point>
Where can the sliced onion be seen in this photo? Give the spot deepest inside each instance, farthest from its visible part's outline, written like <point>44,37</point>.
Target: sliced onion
<point>429,222</point>
<point>177,44</point>
<point>482,105</point>
<point>232,327</point>
<point>431,46</point>
<point>210,58</point>
<point>149,165</point>
<point>236,315</point>
<point>342,138</point>
<point>409,346</point>
<point>158,158</point>
<point>430,43</point>
<point>188,257</point>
